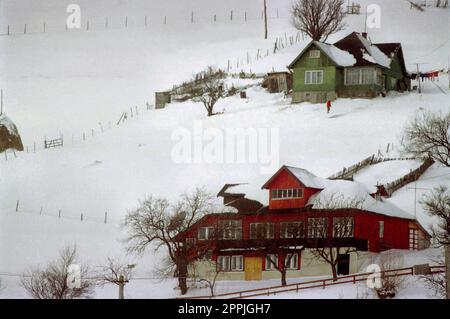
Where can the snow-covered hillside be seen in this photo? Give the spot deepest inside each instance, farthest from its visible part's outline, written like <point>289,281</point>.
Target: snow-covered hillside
<point>70,83</point>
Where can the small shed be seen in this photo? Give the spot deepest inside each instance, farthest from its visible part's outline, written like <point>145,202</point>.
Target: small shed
<point>161,99</point>
<point>276,82</point>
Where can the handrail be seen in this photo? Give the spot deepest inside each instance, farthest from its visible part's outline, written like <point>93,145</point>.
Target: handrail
<point>354,278</point>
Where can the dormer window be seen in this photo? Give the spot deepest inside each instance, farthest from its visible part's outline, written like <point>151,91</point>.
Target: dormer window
<point>289,193</point>
<point>314,54</point>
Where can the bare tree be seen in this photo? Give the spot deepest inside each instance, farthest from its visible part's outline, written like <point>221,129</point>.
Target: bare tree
<point>209,88</point>
<point>329,243</point>
<point>318,18</point>
<point>428,135</point>
<point>437,204</point>
<point>53,281</point>
<point>436,282</point>
<point>285,255</point>
<point>157,222</point>
<point>116,272</point>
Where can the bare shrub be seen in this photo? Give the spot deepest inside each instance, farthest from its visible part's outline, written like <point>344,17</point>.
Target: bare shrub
<point>52,282</point>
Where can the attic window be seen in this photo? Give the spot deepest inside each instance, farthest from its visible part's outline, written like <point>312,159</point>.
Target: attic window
<point>314,54</point>
<point>287,193</point>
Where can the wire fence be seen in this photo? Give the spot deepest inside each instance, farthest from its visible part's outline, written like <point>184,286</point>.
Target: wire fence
<point>62,214</point>
<point>104,23</point>
<point>61,140</point>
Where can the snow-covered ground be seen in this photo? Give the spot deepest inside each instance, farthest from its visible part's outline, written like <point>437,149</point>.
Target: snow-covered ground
<point>68,83</point>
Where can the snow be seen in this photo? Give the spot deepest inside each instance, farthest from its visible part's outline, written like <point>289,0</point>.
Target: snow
<point>308,179</point>
<point>67,83</point>
<point>385,172</point>
<point>354,195</point>
<point>340,57</point>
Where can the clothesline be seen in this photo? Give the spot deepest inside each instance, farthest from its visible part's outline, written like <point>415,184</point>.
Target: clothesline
<point>430,75</point>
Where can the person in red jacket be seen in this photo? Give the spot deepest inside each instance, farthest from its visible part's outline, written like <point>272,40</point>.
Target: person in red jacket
<point>328,106</point>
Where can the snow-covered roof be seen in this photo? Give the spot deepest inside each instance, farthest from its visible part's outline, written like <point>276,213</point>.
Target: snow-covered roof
<point>10,126</point>
<point>251,190</point>
<point>340,57</point>
<point>348,194</point>
<point>340,193</point>
<point>376,55</point>
<point>306,178</point>
<point>355,50</point>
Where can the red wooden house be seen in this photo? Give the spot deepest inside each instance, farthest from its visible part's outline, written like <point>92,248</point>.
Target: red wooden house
<point>303,212</point>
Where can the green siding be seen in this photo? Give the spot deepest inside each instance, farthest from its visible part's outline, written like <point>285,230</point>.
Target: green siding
<point>329,79</point>
<point>305,63</point>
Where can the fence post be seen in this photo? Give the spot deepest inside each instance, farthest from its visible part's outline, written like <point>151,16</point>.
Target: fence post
<point>8,30</point>
<point>165,19</point>
<point>34,147</point>
<point>106,217</point>
<point>92,131</point>
<point>44,27</point>
<point>25,29</point>
<point>84,136</point>
<point>40,211</point>
<point>17,206</point>
<point>81,216</point>
<point>126,21</point>
<point>59,214</point>
<point>145,21</point>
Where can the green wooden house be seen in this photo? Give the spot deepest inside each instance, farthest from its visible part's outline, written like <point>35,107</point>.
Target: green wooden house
<point>351,67</point>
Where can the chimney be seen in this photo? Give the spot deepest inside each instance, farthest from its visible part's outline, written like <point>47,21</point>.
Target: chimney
<point>364,34</point>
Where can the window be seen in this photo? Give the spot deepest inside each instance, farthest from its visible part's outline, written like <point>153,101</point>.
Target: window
<point>223,263</point>
<point>367,76</point>
<point>317,227</point>
<point>359,76</point>
<point>205,233</point>
<point>237,263</point>
<point>230,263</point>
<point>262,230</point>
<point>292,229</point>
<point>314,54</point>
<point>292,261</point>
<point>271,261</point>
<point>413,239</point>
<point>381,228</point>
<point>230,229</point>
<point>342,227</point>
<point>287,193</point>
<point>313,77</point>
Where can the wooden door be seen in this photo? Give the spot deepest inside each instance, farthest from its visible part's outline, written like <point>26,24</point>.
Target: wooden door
<point>253,268</point>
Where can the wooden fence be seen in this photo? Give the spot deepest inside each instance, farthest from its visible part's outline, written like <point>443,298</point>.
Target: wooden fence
<point>408,178</point>
<point>54,143</point>
<point>348,172</point>
<point>321,283</point>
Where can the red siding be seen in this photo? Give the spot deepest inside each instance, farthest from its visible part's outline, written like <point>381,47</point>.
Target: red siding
<point>284,180</point>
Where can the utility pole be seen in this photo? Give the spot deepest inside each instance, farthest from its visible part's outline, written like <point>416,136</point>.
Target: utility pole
<point>415,188</point>
<point>265,19</point>
<point>121,284</point>
<point>418,75</point>
<point>447,269</point>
